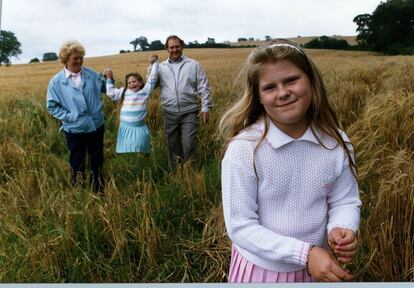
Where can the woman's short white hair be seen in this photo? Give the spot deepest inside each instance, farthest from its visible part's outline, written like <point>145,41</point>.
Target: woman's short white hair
<point>70,47</point>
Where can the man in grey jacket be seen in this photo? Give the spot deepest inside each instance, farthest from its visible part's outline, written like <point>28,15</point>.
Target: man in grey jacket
<point>181,82</point>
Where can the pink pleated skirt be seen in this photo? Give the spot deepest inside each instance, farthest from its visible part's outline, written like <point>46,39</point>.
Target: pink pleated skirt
<point>243,271</point>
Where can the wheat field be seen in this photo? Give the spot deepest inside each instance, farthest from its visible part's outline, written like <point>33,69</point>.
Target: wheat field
<point>153,225</point>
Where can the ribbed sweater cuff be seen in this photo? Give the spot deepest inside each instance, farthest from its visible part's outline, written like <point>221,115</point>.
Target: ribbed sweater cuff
<point>300,253</point>
<point>304,253</point>
<point>350,221</point>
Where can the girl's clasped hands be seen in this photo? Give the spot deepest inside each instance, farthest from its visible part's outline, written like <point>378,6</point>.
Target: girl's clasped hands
<point>327,266</point>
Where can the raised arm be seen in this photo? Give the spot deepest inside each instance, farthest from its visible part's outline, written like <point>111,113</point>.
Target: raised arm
<point>153,58</point>
<point>112,92</point>
<point>152,78</point>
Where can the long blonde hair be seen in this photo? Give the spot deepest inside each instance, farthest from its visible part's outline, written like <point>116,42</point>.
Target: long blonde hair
<point>249,110</point>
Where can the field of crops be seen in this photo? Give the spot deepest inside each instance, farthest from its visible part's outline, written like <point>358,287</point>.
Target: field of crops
<point>154,225</point>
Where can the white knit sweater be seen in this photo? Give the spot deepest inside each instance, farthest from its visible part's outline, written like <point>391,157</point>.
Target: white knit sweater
<point>302,190</point>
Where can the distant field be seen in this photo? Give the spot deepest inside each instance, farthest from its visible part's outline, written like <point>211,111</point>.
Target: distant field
<point>154,225</point>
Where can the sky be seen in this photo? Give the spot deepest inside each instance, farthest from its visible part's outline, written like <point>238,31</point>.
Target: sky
<point>105,27</point>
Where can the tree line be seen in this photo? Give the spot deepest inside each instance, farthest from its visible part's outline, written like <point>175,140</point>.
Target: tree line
<point>389,29</point>
<point>141,44</point>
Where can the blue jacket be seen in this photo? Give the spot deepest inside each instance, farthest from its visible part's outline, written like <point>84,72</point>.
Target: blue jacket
<point>79,109</point>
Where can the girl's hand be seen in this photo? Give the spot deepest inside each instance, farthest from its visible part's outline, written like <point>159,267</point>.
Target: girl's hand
<point>324,267</point>
<point>343,243</point>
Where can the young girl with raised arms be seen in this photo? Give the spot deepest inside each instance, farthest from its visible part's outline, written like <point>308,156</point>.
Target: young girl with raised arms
<point>290,195</point>
<point>133,133</point>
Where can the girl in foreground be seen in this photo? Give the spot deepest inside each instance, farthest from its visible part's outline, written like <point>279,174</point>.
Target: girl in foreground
<point>288,175</point>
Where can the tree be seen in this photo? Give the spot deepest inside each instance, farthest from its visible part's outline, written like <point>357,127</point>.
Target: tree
<point>267,38</point>
<point>9,47</point>
<point>156,45</point>
<point>34,60</point>
<point>134,44</point>
<point>142,42</point>
<point>389,29</point>
<point>210,41</point>
<point>363,22</point>
<point>193,44</point>
<point>325,42</point>
<point>242,39</point>
<point>49,56</point>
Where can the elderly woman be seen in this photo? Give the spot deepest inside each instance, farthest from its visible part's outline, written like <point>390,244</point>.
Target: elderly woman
<point>74,98</point>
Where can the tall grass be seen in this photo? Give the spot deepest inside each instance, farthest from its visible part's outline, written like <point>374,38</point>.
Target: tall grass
<point>157,225</point>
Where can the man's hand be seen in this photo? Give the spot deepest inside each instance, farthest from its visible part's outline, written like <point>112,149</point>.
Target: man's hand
<point>153,58</point>
<point>204,116</point>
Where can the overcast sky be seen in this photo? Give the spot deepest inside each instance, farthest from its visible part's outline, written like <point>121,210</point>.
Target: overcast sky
<point>105,27</point>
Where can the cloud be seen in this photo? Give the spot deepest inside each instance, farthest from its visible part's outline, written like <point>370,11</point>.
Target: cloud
<point>104,27</point>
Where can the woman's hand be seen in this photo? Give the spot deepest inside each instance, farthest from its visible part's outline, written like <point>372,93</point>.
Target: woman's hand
<point>324,267</point>
<point>108,73</point>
